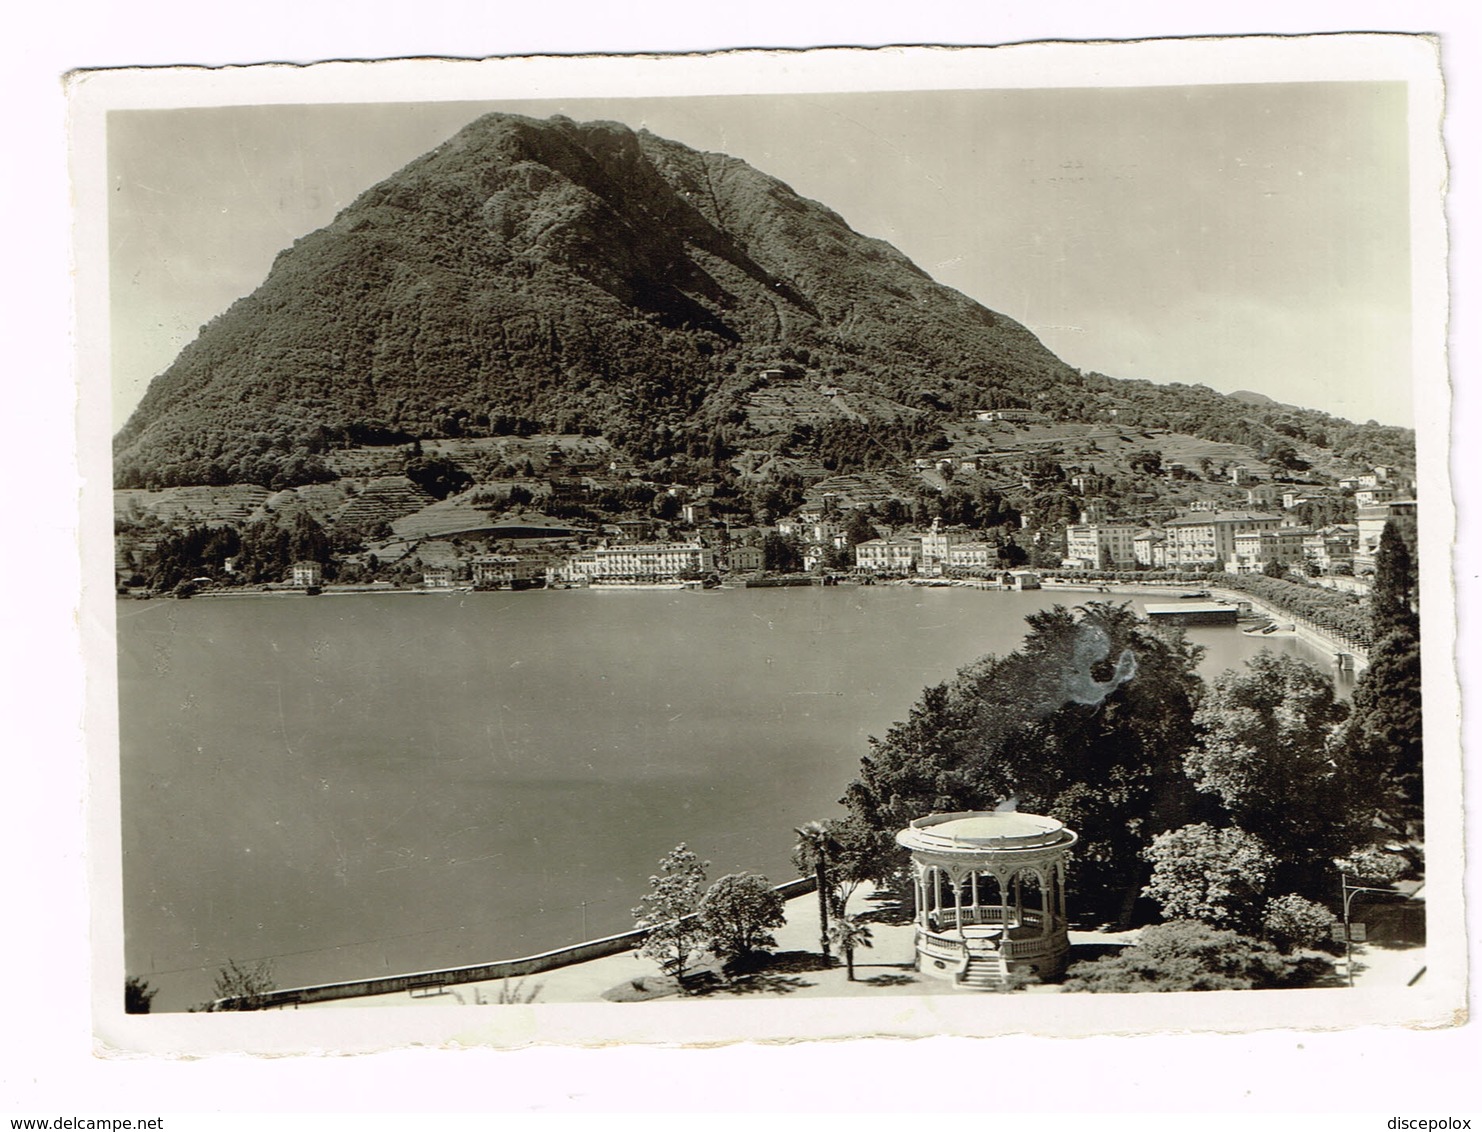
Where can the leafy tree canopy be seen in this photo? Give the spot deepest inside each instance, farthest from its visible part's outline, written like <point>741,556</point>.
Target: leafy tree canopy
<point>1212,875</point>
<point>738,913</point>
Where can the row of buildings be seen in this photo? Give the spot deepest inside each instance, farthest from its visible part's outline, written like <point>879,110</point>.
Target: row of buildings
<point>1241,542</point>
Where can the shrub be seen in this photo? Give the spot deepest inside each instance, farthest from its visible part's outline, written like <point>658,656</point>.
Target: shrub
<point>1183,955</point>
<point>1293,921</point>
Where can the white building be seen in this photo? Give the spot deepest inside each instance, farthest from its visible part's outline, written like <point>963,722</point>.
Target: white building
<point>1255,550</point>
<point>899,555</point>
<point>1101,546</point>
<point>1202,540</point>
<point>1148,548</point>
<point>655,562</point>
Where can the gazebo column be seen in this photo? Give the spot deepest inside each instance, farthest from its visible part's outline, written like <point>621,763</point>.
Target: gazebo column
<point>1003,905</point>
<point>936,893</point>
<point>958,883</point>
<point>1046,900</point>
<point>976,916</point>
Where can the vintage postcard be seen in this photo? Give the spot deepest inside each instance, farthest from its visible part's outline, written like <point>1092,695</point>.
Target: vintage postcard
<point>769,546</point>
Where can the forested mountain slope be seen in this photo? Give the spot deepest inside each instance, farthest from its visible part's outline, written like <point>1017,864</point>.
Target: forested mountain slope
<point>583,277</point>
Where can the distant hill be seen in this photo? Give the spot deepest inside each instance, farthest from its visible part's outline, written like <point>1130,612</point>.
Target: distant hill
<point>583,278</point>
<point>1251,398</point>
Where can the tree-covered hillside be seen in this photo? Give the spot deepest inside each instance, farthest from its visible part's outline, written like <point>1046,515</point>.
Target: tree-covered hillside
<point>586,278</point>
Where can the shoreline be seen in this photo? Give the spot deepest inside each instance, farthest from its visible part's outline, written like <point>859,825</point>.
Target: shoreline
<point>1319,639</point>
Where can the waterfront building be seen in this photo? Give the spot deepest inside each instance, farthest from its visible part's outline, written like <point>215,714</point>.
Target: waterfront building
<point>437,578</point>
<point>1022,579</point>
<point>898,555</point>
<point>1193,613</point>
<point>1147,548</point>
<point>1200,540</point>
<point>973,556</point>
<point>307,574</point>
<point>940,548</point>
<point>506,571</point>
<point>1101,546</point>
<point>744,559</point>
<point>654,562</point>
<point>990,895</point>
<point>1255,550</point>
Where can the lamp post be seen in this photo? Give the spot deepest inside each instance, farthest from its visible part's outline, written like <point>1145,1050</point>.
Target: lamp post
<point>1349,892</point>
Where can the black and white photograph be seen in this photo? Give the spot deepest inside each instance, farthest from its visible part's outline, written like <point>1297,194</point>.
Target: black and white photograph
<point>771,546</point>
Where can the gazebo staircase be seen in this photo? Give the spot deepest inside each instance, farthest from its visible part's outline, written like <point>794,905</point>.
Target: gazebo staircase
<point>984,972</point>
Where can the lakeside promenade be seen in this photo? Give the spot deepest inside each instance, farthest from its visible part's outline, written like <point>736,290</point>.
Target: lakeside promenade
<point>1331,645</point>
<point>1389,960</point>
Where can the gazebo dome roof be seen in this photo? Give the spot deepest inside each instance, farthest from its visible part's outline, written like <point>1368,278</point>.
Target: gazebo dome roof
<point>984,831</point>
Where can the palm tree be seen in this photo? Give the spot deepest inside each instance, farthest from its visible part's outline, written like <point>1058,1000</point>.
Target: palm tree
<point>847,933</point>
<point>812,854</point>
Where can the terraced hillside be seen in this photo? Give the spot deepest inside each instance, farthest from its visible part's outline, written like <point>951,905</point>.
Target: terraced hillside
<point>383,500</point>
<point>191,506</point>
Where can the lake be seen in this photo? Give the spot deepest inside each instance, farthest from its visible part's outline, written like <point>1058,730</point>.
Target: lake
<point>378,783</point>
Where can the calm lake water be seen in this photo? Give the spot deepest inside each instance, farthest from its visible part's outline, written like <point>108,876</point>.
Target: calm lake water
<point>371,784</point>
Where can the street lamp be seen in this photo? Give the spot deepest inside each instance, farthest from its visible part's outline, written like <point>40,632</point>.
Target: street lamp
<point>1349,892</point>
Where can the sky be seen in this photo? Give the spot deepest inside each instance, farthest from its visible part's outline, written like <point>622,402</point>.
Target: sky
<point>1249,236</point>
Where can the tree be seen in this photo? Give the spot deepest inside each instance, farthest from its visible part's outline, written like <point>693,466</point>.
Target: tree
<point>1212,875</point>
<point>437,475</point>
<point>238,985</point>
<point>138,994</point>
<point>738,912</point>
<point>1086,722</point>
<point>1395,596</point>
<point>1383,740</point>
<point>667,912</point>
<point>1146,461</point>
<point>848,933</point>
<point>860,855</point>
<point>1270,751</point>
<point>813,853</point>
<point>859,529</point>
<point>1184,955</point>
<point>780,555</point>
<point>1293,921</point>
<point>894,513</point>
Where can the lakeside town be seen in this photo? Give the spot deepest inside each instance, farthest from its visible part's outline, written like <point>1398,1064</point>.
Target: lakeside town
<point>1304,546</point>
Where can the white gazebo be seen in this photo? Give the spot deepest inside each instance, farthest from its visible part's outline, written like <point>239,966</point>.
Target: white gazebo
<point>990,895</point>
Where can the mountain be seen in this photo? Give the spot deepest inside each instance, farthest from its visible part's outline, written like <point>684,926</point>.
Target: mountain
<point>573,276</point>
<point>551,276</point>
